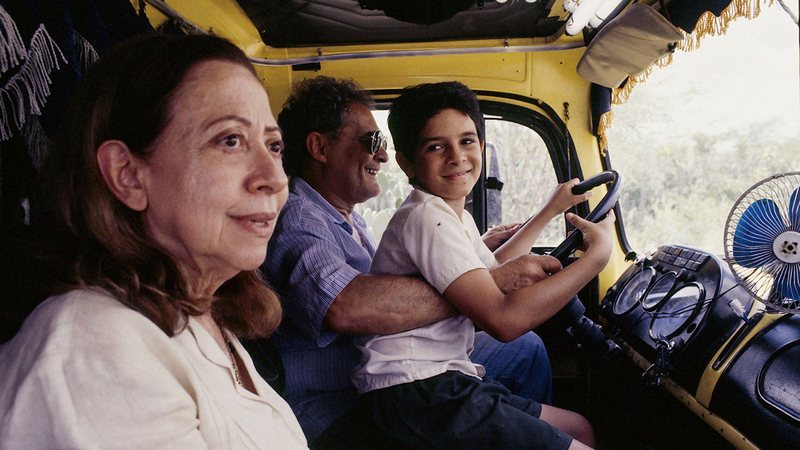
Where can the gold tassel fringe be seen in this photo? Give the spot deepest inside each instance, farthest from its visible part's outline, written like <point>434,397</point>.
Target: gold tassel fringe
<point>707,25</point>
<point>711,25</point>
<point>602,126</point>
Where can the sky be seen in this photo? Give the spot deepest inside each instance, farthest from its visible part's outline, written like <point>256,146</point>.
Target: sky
<point>760,60</point>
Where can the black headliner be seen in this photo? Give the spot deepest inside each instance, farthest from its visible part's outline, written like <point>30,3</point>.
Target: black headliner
<point>297,23</point>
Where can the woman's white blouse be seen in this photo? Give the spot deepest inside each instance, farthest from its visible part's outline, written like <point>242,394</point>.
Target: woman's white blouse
<point>86,371</point>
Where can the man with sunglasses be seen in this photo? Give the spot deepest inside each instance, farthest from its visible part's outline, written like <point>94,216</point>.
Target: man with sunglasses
<point>319,259</point>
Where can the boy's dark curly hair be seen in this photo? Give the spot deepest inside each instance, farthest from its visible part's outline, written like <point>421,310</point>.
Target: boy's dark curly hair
<point>417,104</point>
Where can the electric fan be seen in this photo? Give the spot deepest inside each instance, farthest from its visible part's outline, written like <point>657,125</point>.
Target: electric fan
<point>762,241</point>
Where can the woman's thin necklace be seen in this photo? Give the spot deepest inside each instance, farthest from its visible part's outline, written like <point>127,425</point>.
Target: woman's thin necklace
<point>231,354</point>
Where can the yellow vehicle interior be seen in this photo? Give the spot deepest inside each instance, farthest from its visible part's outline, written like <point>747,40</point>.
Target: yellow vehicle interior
<point>711,375</point>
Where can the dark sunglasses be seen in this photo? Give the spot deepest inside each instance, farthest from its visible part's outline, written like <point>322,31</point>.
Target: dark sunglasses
<point>377,141</point>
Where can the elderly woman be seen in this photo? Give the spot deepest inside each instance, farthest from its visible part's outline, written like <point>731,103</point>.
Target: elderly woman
<point>164,193</point>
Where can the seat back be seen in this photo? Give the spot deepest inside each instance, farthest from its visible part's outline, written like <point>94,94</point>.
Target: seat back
<point>268,362</point>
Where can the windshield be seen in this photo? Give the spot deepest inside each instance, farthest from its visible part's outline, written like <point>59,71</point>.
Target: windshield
<point>693,137</point>
<point>689,141</point>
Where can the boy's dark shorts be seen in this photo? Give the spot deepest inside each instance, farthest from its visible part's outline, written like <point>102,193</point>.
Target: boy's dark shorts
<point>454,410</point>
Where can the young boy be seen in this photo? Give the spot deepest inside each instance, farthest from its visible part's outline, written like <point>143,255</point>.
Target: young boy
<point>420,385</point>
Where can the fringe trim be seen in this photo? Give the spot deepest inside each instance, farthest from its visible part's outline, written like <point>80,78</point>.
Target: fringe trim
<point>12,49</point>
<point>604,124</point>
<point>36,140</point>
<point>26,92</point>
<point>707,25</point>
<point>87,55</point>
<point>711,25</point>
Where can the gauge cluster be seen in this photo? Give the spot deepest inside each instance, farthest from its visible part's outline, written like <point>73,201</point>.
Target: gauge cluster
<point>676,301</point>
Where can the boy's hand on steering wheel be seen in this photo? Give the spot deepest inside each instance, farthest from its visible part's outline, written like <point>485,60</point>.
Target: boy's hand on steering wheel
<point>562,198</point>
<point>597,237</point>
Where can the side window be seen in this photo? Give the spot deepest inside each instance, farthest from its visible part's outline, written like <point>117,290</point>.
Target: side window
<point>516,159</point>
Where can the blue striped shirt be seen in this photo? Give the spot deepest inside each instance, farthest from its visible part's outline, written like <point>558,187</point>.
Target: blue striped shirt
<point>312,257</point>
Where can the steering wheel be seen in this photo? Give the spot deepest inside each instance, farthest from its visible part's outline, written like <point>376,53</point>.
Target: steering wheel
<point>614,181</point>
<point>572,315</point>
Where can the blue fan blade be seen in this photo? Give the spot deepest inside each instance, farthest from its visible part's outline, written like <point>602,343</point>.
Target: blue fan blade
<point>788,282</point>
<point>794,210</point>
<point>758,227</point>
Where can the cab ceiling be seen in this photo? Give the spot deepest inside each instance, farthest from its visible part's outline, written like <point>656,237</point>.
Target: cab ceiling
<point>300,23</point>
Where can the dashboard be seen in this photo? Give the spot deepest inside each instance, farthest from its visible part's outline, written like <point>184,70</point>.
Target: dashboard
<point>681,310</point>
<point>676,302</point>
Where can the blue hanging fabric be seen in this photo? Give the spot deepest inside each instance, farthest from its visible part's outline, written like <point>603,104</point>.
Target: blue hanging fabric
<point>600,97</point>
<point>50,45</point>
<point>684,14</point>
<point>45,47</point>
<point>30,57</point>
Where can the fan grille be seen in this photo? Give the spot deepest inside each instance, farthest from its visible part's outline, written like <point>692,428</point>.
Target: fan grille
<point>761,241</point>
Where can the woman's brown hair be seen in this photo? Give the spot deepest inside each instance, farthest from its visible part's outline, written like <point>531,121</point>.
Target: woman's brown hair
<point>127,96</point>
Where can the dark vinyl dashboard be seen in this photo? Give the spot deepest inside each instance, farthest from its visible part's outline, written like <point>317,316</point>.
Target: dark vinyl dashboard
<point>681,310</point>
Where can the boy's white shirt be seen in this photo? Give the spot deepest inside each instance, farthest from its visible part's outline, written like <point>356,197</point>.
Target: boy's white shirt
<point>424,237</point>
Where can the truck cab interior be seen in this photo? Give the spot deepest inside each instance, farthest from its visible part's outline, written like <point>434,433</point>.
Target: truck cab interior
<point>673,345</point>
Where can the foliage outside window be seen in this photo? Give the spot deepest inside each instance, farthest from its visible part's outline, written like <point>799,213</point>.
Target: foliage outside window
<point>527,175</point>
<point>698,133</point>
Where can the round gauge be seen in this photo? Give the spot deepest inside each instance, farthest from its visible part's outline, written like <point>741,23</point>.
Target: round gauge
<point>659,291</point>
<point>677,311</point>
<point>633,290</point>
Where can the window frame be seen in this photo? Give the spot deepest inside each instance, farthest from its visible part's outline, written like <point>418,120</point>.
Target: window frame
<point>549,126</point>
